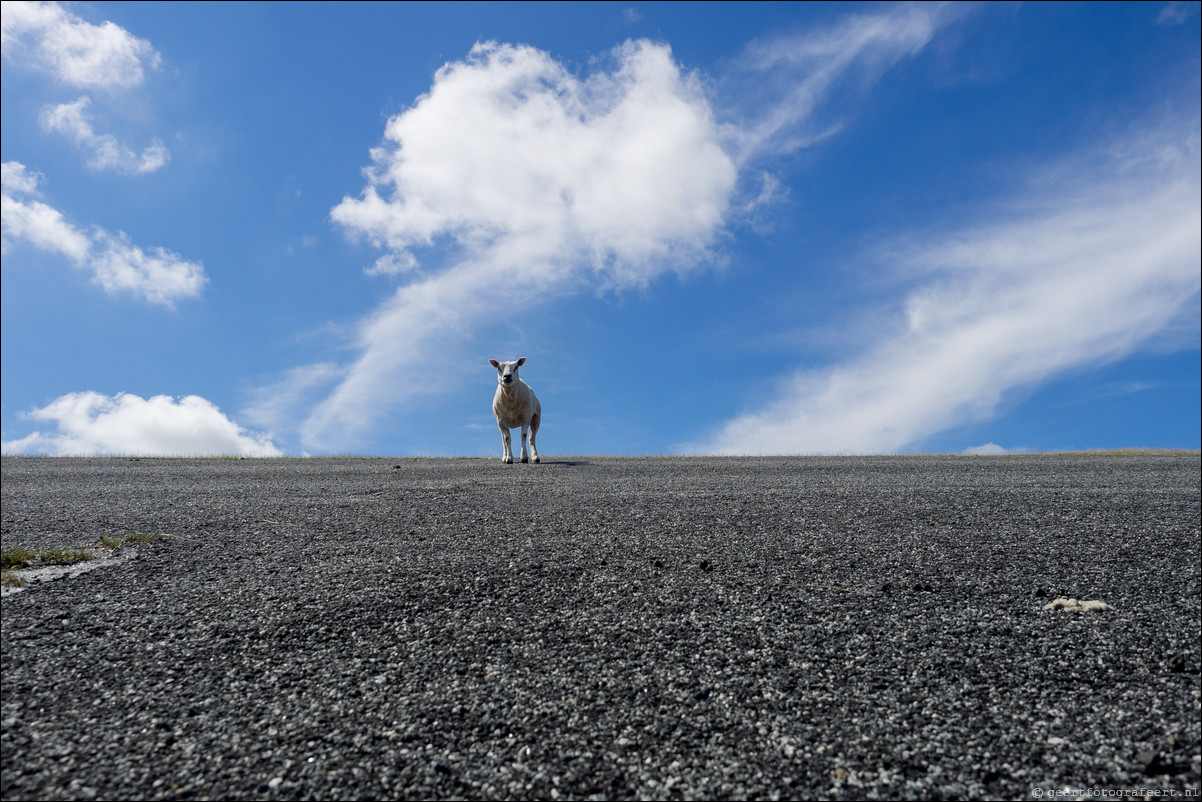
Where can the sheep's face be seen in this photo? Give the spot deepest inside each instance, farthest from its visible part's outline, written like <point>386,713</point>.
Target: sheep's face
<point>507,372</point>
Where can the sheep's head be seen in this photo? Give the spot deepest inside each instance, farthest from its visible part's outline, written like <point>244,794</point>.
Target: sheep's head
<point>507,372</point>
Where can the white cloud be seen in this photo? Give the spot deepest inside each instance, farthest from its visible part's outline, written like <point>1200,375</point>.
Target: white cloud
<point>116,264</point>
<point>986,450</point>
<point>16,178</point>
<point>160,276</point>
<point>47,37</point>
<point>510,151</point>
<point>92,424</point>
<point>542,183</point>
<point>106,152</point>
<point>33,221</point>
<point>1077,278</point>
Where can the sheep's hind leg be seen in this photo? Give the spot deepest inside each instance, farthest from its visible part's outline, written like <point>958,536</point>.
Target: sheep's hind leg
<point>525,454</point>
<point>534,422</point>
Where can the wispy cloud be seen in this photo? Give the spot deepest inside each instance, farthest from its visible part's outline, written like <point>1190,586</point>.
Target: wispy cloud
<point>298,388</point>
<point>1075,277</point>
<point>48,38</point>
<point>92,424</point>
<point>779,85</point>
<point>1176,13</point>
<point>116,264</point>
<point>106,153</point>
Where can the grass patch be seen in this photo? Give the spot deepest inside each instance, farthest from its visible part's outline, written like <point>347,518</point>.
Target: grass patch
<point>10,580</point>
<point>11,559</point>
<point>143,537</point>
<point>64,556</point>
<point>117,541</point>
<point>16,559</point>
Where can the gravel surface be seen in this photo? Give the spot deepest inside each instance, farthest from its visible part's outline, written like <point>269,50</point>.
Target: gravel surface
<point>597,628</point>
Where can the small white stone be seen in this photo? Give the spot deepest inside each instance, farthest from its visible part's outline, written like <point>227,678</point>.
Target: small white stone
<point>1074,605</point>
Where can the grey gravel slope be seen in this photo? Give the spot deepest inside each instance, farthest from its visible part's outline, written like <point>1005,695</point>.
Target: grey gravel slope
<point>605,628</point>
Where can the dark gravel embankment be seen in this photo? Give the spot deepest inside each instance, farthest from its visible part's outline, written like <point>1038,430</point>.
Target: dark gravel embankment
<point>605,628</point>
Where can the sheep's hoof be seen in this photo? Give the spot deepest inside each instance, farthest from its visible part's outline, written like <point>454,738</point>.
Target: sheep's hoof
<point>525,460</point>
<point>535,459</point>
<point>507,460</point>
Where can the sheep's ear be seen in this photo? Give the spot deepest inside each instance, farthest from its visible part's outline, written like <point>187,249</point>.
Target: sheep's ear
<point>521,361</point>
<point>494,363</point>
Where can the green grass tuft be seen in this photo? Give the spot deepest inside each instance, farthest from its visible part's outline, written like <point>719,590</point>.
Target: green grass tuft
<point>143,537</point>
<point>10,580</point>
<point>64,556</point>
<point>11,559</point>
<point>16,559</point>
<point>116,542</point>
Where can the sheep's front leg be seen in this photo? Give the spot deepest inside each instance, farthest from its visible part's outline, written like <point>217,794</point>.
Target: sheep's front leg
<point>506,446</point>
<point>525,454</point>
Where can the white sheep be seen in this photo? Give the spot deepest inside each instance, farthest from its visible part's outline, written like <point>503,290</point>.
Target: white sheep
<point>515,404</point>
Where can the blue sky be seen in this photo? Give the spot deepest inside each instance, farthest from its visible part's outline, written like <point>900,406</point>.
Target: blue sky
<point>711,228</point>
